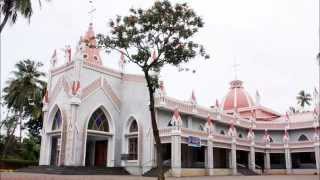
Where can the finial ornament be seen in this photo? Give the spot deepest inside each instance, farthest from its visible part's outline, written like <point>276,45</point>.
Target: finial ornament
<point>232,130</point>
<point>193,98</point>
<point>122,62</point>
<point>209,126</point>
<point>250,135</point>
<point>286,136</point>
<point>80,49</point>
<point>266,137</point>
<point>67,53</point>
<point>46,97</point>
<point>54,59</point>
<point>75,88</point>
<point>176,120</point>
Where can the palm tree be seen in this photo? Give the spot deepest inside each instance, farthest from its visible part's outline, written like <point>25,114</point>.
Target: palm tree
<point>304,98</point>
<point>23,92</point>
<point>12,8</point>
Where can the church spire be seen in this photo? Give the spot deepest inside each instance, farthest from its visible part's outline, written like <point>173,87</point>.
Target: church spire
<point>92,53</point>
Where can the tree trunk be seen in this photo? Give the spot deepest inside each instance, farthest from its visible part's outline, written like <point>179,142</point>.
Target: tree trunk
<point>4,22</point>
<point>155,127</point>
<point>20,126</point>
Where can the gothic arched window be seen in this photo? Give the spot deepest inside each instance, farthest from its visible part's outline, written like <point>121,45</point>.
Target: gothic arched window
<point>240,136</point>
<point>133,126</point>
<point>133,141</point>
<point>222,132</point>
<point>303,138</point>
<point>271,140</point>
<point>57,120</point>
<point>98,121</point>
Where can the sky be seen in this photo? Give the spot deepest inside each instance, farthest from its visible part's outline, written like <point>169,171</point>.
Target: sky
<point>275,43</point>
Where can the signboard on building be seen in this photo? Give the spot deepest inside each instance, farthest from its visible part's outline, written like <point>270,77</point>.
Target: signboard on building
<point>194,141</point>
<point>124,157</point>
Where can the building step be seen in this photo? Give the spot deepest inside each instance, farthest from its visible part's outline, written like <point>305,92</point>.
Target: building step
<point>72,170</point>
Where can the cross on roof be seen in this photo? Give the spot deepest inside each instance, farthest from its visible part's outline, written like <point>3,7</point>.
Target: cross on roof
<point>92,10</point>
<point>235,67</point>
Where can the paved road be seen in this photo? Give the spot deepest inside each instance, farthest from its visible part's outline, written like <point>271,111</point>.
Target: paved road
<point>28,176</point>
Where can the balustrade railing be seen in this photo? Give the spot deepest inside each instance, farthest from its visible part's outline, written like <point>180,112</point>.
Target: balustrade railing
<point>185,107</point>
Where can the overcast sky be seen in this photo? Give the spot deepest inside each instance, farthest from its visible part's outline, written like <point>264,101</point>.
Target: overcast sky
<point>274,41</point>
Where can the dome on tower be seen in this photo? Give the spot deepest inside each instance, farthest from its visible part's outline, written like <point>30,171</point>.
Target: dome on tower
<point>237,97</point>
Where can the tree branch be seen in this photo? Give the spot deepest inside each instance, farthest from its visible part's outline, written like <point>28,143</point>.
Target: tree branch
<point>4,22</point>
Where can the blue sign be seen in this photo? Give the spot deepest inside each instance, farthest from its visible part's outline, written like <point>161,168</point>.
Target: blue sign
<point>194,141</point>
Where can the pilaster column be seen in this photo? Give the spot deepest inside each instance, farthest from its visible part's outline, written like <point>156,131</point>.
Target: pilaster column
<point>288,160</point>
<point>234,156</point>
<point>267,165</point>
<point>73,157</point>
<point>317,156</point>
<point>176,152</point>
<point>210,160</point>
<point>44,152</point>
<point>252,158</point>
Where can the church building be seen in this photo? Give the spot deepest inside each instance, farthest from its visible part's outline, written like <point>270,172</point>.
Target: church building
<point>98,116</point>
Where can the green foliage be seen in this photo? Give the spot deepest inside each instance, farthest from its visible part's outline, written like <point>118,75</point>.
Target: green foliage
<point>16,163</point>
<point>30,149</point>
<point>165,28</point>
<point>23,99</point>
<point>19,161</point>
<point>23,94</point>
<point>11,9</point>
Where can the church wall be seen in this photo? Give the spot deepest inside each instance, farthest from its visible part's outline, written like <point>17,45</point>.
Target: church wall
<point>62,103</point>
<point>221,127</point>
<point>259,135</point>
<point>68,74</point>
<point>243,132</point>
<point>164,117</point>
<point>184,119</point>
<point>277,136</point>
<point>196,122</point>
<point>135,104</point>
<point>88,76</point>
<point>294,135</point>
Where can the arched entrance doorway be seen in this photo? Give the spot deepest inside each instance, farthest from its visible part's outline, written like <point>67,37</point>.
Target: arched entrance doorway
<point>98,136</point>
<point>56,138</point>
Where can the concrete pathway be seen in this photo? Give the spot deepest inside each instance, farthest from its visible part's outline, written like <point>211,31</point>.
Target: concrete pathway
<point>29,176</point>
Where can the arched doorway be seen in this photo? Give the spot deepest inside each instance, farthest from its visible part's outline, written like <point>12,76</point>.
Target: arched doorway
<point>98,136</point>
<point>56,138</point>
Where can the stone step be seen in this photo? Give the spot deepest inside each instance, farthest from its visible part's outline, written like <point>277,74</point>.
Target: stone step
<point>67,170</point>
<point>154,171</point>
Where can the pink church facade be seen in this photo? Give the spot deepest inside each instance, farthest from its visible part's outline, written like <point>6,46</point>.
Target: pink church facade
<point>98,116</point>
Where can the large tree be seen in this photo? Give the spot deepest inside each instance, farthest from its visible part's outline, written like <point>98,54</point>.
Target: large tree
<point>10,9</point>
<point>304,98</point>
<point>23,93</point>
<point>151,38</point>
